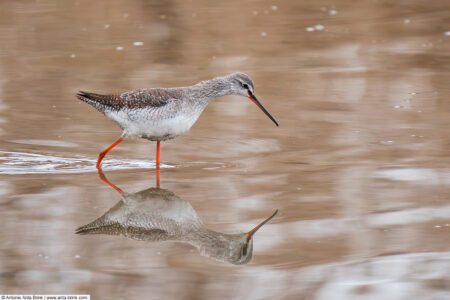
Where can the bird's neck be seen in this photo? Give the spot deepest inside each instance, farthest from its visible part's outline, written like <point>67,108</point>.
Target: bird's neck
<point>208,90</point>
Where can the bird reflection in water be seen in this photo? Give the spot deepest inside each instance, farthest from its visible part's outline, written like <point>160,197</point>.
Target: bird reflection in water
<point>157,214</point>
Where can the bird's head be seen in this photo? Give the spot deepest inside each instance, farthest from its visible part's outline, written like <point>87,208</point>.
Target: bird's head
<point>242,85</point>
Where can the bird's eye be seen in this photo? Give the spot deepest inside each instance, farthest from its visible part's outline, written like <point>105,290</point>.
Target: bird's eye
<point>245,86</point>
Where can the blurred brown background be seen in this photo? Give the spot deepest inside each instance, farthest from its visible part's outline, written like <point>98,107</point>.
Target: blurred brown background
<point>359,167</point>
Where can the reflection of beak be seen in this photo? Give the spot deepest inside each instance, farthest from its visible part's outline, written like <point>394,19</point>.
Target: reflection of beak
<point>256,101</point>
<point>254,230</point>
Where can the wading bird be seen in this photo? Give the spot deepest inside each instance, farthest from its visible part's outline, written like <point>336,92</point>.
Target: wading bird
<point>160,114</point>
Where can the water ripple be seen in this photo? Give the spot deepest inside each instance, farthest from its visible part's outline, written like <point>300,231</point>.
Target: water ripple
<point>34,163</point>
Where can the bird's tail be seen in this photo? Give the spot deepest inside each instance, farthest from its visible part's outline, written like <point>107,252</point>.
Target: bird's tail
<point>96,100</point>
<point>86,96</point>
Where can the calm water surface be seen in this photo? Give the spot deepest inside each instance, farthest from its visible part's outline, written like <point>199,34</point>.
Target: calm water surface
<point>359,167</point>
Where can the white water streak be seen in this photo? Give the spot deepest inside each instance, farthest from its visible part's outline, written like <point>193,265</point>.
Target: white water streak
<point>34,163</point>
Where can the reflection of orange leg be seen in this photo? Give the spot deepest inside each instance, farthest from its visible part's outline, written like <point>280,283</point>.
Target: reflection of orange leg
<point>158,160</point>
<point>158,179</point>
<point>103,153</point>
<point>105,180</point>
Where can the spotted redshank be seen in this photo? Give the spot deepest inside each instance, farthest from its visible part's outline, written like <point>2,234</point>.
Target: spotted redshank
<point>160,114</point>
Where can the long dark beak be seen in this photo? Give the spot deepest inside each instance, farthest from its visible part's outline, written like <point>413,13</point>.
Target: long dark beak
<point>256,101</point>
<point>254,230</point>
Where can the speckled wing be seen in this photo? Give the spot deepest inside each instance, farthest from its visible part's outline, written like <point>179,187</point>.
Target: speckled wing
<point>129,100</point>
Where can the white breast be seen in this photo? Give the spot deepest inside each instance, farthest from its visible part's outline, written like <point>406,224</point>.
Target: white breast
<point>146,123</point>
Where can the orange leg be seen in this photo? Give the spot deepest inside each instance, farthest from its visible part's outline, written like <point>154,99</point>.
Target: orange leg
<point>158,153</point>
<point>158,160</point>
<point>105,180</point>
<point>103,153</point>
